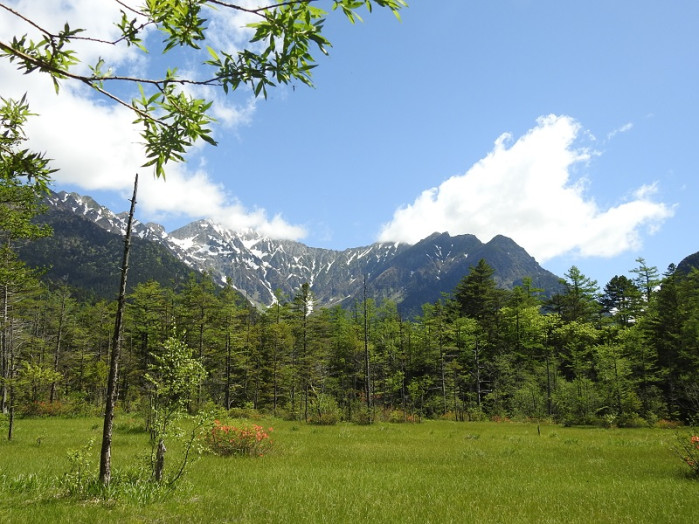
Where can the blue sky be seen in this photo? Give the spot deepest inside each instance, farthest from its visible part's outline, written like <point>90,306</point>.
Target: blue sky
<point>570,127</point>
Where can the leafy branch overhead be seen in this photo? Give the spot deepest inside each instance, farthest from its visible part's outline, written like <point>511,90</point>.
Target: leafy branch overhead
<point>280,51</point>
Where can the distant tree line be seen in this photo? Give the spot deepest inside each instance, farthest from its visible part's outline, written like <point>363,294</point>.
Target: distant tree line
<point>624,355</point>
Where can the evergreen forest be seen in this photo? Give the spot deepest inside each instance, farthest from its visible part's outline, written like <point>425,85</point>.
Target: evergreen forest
<point>623,355</point>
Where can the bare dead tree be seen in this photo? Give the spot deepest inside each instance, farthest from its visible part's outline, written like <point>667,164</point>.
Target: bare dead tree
<point>105,474</point>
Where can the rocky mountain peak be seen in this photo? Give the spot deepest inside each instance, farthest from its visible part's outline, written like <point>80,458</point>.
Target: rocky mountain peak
<point>259,266</point>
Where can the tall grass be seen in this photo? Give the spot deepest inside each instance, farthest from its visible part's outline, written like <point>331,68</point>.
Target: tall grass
<point>437,471</point>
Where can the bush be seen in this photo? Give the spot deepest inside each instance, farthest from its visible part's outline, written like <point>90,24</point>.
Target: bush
<point>46,409</point>
<point>363,417</point>
<point>667,424</point>
<point>226,440</point>
<point>500,418</point>
<point>323,419</point>
<point>71,407</point>
<point>399,416</point>
<point>476,415</point>
<point>688,450</point>
<point>325,410</point>
<point>246,412</point>
<point>631,420</point>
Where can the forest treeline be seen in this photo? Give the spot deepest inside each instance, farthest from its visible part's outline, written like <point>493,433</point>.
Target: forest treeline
<point>627,354</point>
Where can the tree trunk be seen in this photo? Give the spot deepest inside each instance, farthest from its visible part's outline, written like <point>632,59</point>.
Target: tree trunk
<point>57,352</point>
<point>4,354</point>
<point>367,369</point>
<point>160,461</point>
<point>549,403</point>
<point>227,398</point>
<point>477,362</point>
<point>11,389</point>
<point>105,474</point>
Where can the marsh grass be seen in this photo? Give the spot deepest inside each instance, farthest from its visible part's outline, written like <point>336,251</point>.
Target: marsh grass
<point>437,471</point>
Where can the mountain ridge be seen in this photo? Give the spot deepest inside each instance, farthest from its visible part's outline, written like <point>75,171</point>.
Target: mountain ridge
<point>261,267</point>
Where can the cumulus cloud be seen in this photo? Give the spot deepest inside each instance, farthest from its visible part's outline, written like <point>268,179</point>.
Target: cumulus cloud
<point>95,144</point>
<point>526,191</point>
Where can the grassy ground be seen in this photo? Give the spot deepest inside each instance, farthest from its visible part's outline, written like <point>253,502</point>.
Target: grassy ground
<point>436,471</point>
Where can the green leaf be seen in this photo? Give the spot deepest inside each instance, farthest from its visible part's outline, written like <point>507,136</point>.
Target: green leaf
<point>213,53</point>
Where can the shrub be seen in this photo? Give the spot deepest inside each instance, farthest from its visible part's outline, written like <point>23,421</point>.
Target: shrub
<point>245,412</point>
<point>688,450</point>
<point>325,411</point>
<point>631,420</point>
<point>78,480</point>
<point>500,418</point>
<point>71,407</point>
<point>323,419</point>
<point>363,417</point>
<point>45,409</point>
<point>227,440</point>
<point>398,416</point>
<point>667,424</point>
<point>476,415</point>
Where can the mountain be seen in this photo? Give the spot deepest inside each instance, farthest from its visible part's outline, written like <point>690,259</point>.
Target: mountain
<point>86,249</point>
<point>258,266</point>
<point>688,263</point>
<point>436,264</point>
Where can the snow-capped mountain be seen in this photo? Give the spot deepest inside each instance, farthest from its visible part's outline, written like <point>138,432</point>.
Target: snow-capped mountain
<point>260,267</point>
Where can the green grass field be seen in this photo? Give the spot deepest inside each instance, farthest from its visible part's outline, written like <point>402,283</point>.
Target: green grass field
<point>436,471</point>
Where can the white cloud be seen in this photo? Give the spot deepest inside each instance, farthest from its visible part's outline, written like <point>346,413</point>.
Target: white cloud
<point>525,191</point>
<point>94,143</point>
<point>623,129</point>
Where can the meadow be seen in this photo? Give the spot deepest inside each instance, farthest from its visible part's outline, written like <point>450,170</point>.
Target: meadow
<point>435,471</point>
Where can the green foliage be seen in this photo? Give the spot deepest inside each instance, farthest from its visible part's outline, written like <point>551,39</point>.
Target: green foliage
<point>24,175</point>
<point>133,485</point>
<point>49,55</point>
<point>578,301</point>
<point>519,361</point>
<point>324,411</point>
<point>80,479</point>
<point>281,51</point>
<point>687,447</point>
<point>34,378</point>
<point>173,377</point>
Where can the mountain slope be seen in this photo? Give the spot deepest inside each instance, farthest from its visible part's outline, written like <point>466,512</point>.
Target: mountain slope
<point>436,264</point>
<point>261,267</point>
<point>86,256</point>
<point>688,263</point>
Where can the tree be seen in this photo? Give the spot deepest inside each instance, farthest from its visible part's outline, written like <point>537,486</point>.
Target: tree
<point>24,176</point>
<point>280,51</point>
<point>647,278</point>
<point>149,323</point>
<point>302,306</point>
<point>672,327</point>
<point>621,300</point>
<point>476,295</point>
<point>105,474</point>
<point>174,375</point>
<point>198,304</point>
<point>578,301</point>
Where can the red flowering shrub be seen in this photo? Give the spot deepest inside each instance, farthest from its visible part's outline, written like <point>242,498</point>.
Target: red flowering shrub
<point>46,409</point>
<point>688,450</point>
<point>227,440</point>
